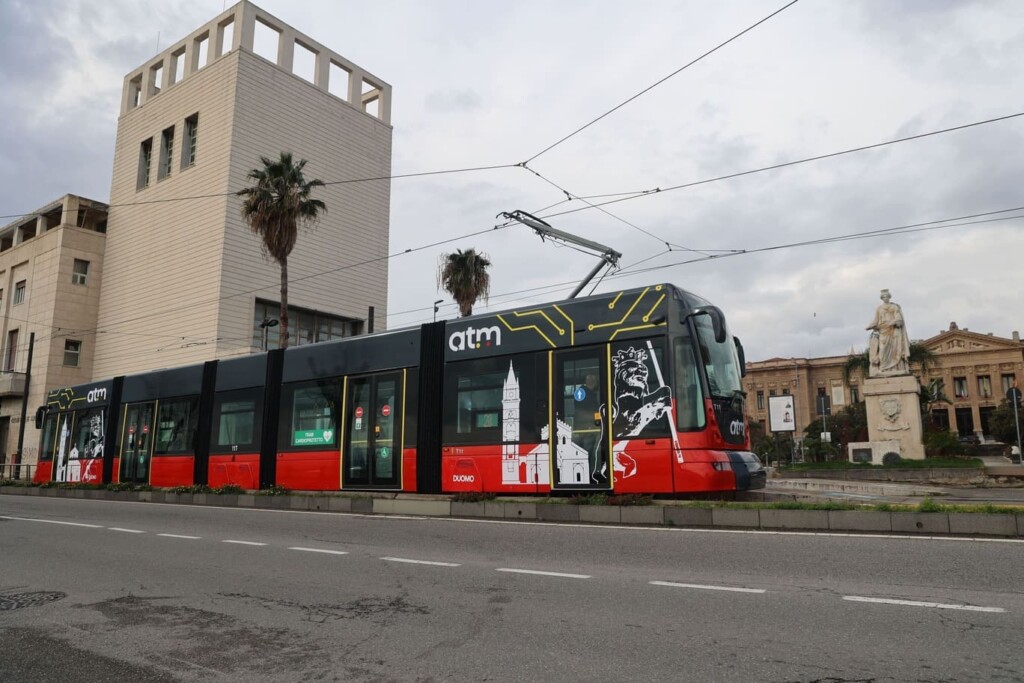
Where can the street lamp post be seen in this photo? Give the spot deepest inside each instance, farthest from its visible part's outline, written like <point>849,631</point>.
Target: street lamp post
<point>436,306</point>
<point>1014,396</point>
<point>266,325</point>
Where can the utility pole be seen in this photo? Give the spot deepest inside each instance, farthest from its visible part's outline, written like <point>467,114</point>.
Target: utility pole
<point>1014,396</point>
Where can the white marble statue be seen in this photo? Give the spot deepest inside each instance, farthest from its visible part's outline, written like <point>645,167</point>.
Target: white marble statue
<point>889,346</point>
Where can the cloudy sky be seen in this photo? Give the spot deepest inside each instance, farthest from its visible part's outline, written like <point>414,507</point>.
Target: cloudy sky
<point>486,83</point>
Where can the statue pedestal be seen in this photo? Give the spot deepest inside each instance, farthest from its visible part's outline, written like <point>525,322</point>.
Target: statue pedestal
<point>894,414</point>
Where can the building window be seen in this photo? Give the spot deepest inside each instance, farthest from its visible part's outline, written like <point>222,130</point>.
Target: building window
<point>145,160</point>
<point>854,394</point>
<point>1008,380</point>
<point>166,153</point>
<point>72,352</point>
<point>984,386</point>
<point>188,147</point>
<point>785,392</point>
<point>19,293</point>
<point>960,387</point>
<point>760,400</point>
<point>304,327</point>
<point>11,353</point>
<point>80,273</point>
<point>771,392</point>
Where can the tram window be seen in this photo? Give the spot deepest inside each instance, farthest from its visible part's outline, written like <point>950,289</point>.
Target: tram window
<point>689,398</point>
<point>236,420</point>
<point>176,426</point>
<point>475,393</point>
<point>49,437</point>
<point>310,414</point>
<point>89,431</point>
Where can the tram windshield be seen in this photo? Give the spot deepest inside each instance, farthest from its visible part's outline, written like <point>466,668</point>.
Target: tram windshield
<point>720,362</point>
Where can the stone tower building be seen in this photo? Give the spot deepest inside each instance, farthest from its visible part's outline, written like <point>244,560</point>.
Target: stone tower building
<point>186,281</point>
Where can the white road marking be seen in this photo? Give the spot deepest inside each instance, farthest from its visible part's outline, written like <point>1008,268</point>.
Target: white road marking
<point>127,531</point>
<point>191,538</point>
<point>52,521</point>
<point>321,550</point>
<point>540,573</point>
<point>917,603</point>
<point>408,561</point>
<point>243,542</point>
<point>732,589</point>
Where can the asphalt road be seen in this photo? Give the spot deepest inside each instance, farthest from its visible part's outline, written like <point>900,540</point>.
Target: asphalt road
<point>103,591</point>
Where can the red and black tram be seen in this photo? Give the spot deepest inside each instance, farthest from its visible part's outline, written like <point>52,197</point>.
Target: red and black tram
<point>637,391</point>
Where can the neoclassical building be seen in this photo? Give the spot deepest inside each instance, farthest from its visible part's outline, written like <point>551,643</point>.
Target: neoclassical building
<point>976,369</point>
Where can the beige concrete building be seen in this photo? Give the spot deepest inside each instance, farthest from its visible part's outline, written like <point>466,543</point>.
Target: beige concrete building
<point>976,370</point>
<point>187,281</point>
<point>51,267</point>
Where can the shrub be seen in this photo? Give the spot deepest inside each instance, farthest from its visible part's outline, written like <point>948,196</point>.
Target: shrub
<point>274,490</point>
<point>227,489</point>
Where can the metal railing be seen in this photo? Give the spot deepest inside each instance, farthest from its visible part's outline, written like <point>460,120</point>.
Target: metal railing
<point>10,470</point>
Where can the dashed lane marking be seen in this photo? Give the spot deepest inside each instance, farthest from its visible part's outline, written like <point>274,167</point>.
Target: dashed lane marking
<point>190,538</point>
<point>127,531</point>
<point>537,572</point>
<point>917,603</point>
<point>427,562</point>
<point>242,542</point>
<point>52,521</point>
<point>731,589</point>
<point>321,550</point>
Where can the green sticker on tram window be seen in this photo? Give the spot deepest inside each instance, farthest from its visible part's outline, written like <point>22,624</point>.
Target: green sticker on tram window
<point>313,437</point>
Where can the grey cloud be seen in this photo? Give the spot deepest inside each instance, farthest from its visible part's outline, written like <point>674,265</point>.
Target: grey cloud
<point>444,101</point>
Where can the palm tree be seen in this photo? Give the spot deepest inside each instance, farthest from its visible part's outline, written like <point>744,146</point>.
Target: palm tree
<point>463,274</point>
<point>276,204</point>
<point>859,363</point>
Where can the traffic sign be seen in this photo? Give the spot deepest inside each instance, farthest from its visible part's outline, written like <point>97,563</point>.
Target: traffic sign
<point>385,410</point>
<point>359,411</point>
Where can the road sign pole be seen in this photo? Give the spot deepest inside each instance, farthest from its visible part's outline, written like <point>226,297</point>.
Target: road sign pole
<point>1016,422</point>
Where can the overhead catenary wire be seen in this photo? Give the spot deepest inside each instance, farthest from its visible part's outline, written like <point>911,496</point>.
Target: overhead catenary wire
<point>773,167</point>
<point>659,82</point>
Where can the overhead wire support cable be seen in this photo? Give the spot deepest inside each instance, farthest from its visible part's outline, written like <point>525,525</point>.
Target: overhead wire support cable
<point>794,163</point>
<point>656,84</point>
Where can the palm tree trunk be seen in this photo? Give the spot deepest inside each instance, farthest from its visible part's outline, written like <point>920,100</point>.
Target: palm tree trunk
<point>284,303</point>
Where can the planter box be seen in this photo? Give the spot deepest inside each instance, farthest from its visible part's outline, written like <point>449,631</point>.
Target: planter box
<point>727,517</point>
<point>601,514</point>
<point>319,503</point>
<point>794,519</point>
<point>246,500</point>
<point>643,514</point>
<point>520,511</point>
<point>339,504</point>
<point>987,524</point>
<point>855,520</point>
<point>558,513</point>
<point>920,522</point>
<point>430,508</point>
<point>680,516</point>
<point>477,509</point>
<point>362,505</point>
<point>495,510</point>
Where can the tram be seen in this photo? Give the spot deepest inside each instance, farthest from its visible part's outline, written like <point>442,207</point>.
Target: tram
<point>634,391</point>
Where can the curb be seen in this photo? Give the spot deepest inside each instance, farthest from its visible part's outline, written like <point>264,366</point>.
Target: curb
<point>996,525</point>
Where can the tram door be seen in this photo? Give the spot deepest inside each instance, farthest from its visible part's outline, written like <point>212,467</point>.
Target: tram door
<point>580,441</point>
<point>137,442</point>
<point>373,423</point>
